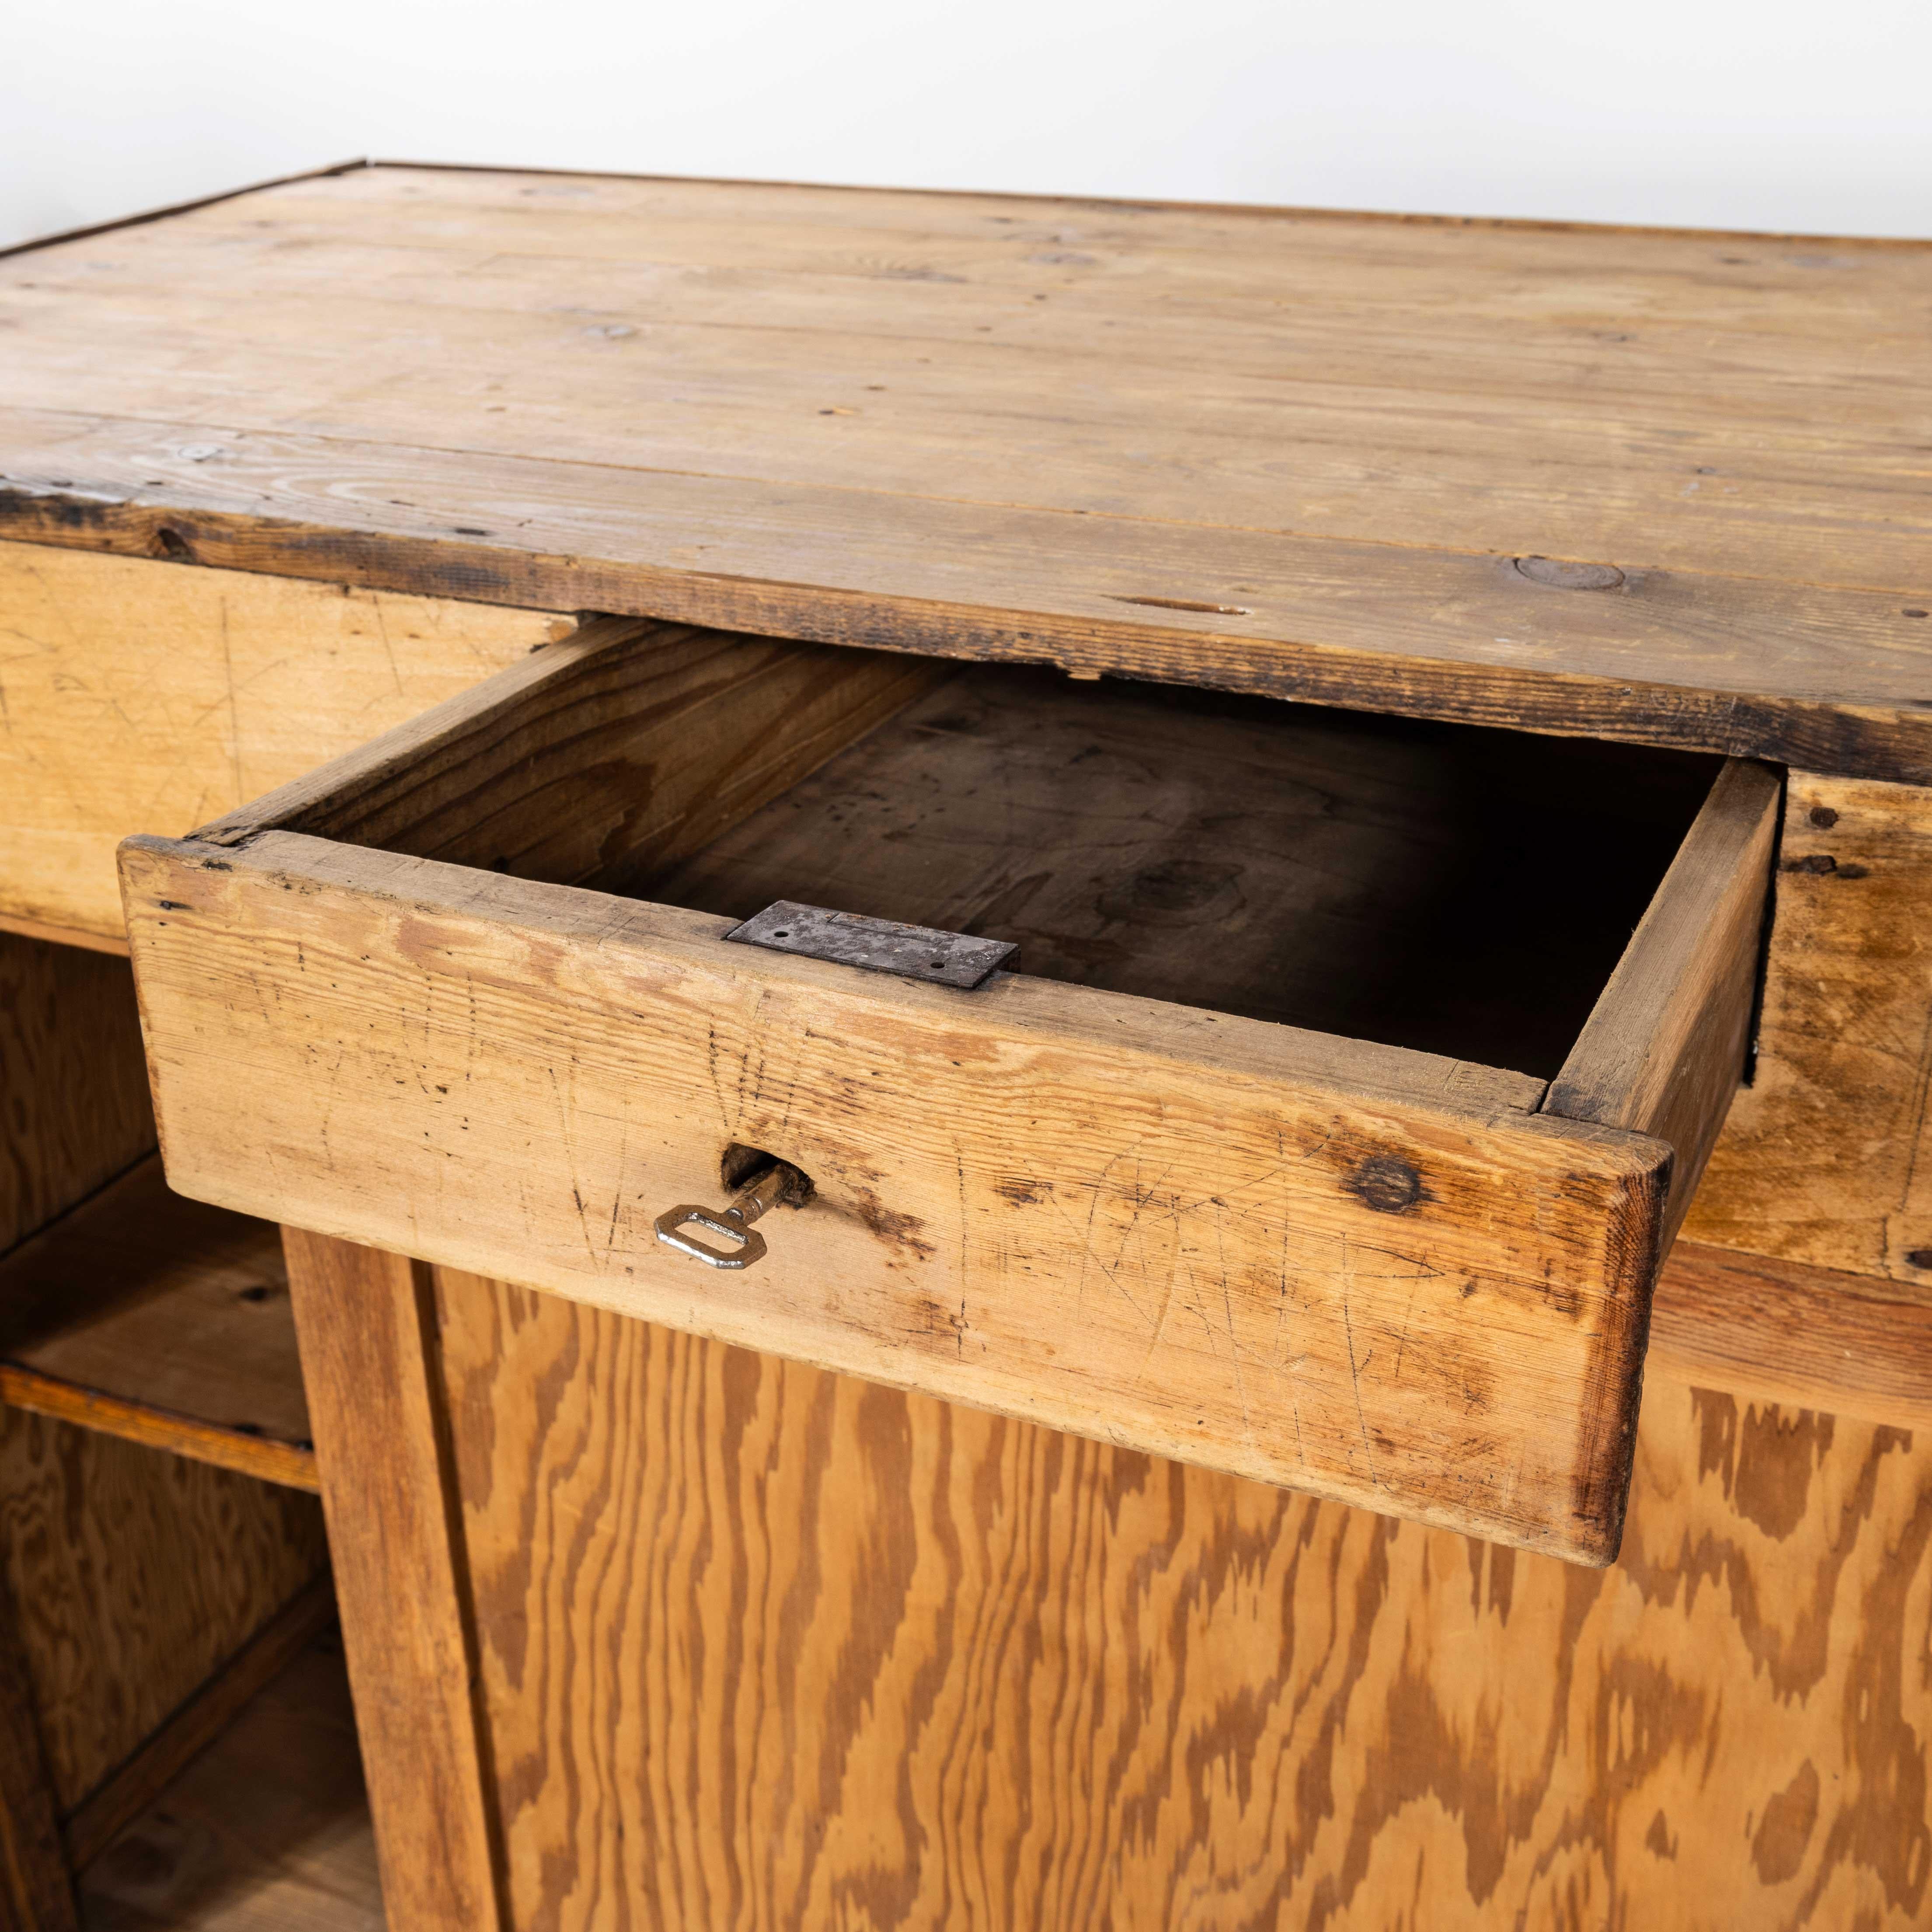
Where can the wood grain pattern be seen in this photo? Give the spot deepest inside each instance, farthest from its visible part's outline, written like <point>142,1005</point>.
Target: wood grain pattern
<point>629,738</point>
<point>1821,1161</point>
<point>268,1831</point>
<point>163,1320</point>
<point>368,1340</point>
<point>40,1393</point>
<point>762,1646</point>
<point>74,1110</point>
<point>1808,1338</point>
<point>194,1725</point>
<point>133,1575</point>
<point>1284,452</point>
<point>1665,1048</point>
<point>1664,660</point>
<point>141,697</point>
<point>1231,1241</point>
<point>36,1887</point>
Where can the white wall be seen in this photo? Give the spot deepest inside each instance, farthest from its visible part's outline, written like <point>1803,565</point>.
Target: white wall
<point>1767,114</point>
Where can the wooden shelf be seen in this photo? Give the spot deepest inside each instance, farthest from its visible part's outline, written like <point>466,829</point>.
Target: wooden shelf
<point>144,1314</point>
<point>266,1830</point>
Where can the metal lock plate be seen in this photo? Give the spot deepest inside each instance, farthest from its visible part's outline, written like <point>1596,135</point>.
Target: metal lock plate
<point>878,945</point>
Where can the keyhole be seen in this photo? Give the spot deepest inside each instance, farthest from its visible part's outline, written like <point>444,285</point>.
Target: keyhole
<point>740,1166</point>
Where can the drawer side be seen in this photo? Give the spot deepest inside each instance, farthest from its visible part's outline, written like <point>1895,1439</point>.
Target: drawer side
<point>1665,1048</point>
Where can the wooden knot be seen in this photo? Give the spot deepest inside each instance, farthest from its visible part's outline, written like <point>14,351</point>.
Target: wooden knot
<point>1556,573</point>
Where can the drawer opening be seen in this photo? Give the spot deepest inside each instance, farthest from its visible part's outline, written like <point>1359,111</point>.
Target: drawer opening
<point>1459,890</point>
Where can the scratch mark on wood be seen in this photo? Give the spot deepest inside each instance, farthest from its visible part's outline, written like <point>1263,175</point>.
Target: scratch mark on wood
<point>1355,1381</point>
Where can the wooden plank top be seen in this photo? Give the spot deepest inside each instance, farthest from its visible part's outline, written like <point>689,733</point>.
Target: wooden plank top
<point>1663,486</point>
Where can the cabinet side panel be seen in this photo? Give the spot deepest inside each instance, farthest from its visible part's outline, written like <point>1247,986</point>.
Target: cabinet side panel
<point>764,1646</point>
<point>74,1110</point>
<point>36,1891</point>
<point>133,1575</point>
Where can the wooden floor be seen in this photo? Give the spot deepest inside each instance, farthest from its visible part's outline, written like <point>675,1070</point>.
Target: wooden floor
<point>268,1831</point>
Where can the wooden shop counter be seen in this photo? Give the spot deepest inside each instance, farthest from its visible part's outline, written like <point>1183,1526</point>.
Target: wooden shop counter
<point>1342,1281</point>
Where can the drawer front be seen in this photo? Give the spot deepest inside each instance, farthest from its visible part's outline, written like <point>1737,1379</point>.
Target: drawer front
<point>1370,1272</point>
<point>1066,1205</point>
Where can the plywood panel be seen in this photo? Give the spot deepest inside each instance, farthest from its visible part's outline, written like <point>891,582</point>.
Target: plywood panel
<point>142,697</point>
<point>74,1110</point>
<point>762,1646</point>
<point>193,1725</point>
<point>36,1888</point>
<point>133,1575</point>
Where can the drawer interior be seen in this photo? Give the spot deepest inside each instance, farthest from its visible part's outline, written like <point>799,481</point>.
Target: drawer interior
<point>1453,890</point>
<point>1459,890</point>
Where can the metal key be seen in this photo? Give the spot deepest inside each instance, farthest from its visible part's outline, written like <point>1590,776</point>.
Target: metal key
<point>778,1182</point>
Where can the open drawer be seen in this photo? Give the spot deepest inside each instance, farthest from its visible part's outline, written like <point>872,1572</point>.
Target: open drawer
<point>1331,1132</point>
